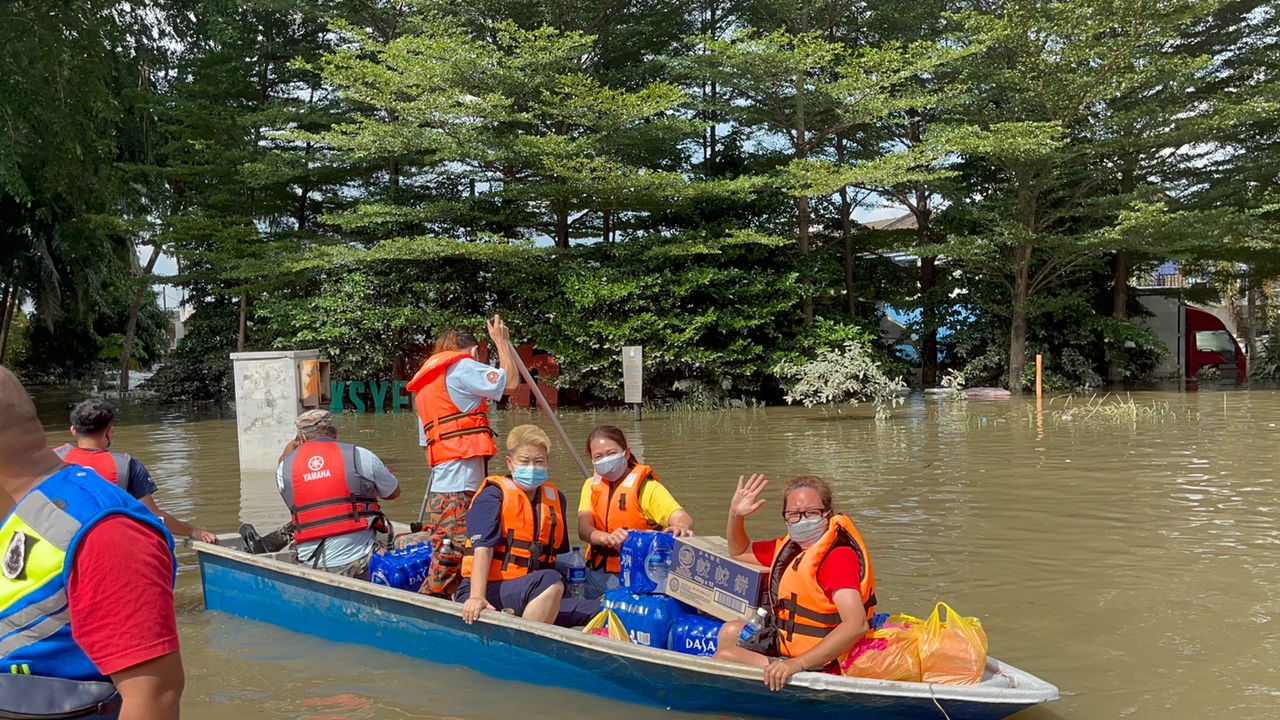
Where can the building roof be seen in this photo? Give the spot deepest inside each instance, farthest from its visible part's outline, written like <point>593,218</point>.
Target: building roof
<point>902,222</point>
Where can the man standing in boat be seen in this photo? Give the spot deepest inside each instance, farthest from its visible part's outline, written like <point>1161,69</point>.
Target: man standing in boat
<point>332,490</point>
<point>87,586</point>
<point>93,425</point>
<point>452,391</point>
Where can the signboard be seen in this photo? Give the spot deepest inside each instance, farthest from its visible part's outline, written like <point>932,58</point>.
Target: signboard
<point>632,374</point>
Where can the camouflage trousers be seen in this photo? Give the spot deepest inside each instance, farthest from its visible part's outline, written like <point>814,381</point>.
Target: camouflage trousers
<point>358,569</point>
<point>446,518</point>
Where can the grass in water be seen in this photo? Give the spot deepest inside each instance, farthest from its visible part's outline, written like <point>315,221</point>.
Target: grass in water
<point>1110,409</point>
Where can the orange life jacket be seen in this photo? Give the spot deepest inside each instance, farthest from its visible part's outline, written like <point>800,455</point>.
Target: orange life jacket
<point>112,466</point>
<point>530,535</point>
<point>451,434</point>
<point>802,612</point>
<point>617,505</point>
<point>325,492</point>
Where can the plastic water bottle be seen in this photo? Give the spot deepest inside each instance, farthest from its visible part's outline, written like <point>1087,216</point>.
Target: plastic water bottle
<point>753,627</point>
<point>656,565</point>
<point>577,574</point>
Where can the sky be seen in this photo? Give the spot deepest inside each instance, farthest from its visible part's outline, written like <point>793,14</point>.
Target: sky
<point>173,296</point>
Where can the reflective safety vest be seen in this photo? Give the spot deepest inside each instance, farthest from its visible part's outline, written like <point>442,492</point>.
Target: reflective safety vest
<point>451,433</point>
<point>112,466</point>
<point>39,538</point>
<point>617,505</point>
<point>326,492</point>
<point>530,535</point>
<point>803,614</point>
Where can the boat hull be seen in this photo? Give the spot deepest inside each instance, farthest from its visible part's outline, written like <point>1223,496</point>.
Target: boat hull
<point>340,609</point>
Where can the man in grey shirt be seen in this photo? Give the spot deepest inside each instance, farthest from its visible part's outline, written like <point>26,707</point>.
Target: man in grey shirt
<point>332,490</point>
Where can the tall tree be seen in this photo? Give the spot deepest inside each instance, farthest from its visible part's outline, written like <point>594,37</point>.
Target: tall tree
<point>1068,65</point>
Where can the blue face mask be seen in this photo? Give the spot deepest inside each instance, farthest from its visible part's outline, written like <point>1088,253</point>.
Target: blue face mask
<point>529,477</point>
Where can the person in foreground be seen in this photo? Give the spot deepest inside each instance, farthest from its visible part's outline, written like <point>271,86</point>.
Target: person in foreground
<point>87,587</point>
<point>517,529</point>
<point>821,585</point>
<point>452,391</point>
<point>92,426</point>
<point>332,490</point>
<point>621,496</point>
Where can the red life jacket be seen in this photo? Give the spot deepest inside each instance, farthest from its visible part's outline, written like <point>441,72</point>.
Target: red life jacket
<point>326,492</point>
<point>114,467</point>
<point>451,434</point>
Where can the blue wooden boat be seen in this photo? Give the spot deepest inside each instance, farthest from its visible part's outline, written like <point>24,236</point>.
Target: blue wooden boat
<point>273,589</point>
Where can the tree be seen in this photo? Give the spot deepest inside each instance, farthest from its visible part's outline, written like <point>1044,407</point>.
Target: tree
<point>803,91</point>
<point>1070,66</point>
<point>512,132</point>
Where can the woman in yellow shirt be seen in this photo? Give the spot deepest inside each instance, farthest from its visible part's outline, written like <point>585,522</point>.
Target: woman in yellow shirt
<point>622,495</point>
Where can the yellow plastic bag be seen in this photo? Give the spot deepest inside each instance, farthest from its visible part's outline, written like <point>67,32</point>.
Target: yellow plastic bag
<point>952,651</point>
<point>607,624</point>
<point>890,653</point>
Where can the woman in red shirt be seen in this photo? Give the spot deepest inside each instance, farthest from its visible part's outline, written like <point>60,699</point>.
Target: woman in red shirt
<point>822,589</point>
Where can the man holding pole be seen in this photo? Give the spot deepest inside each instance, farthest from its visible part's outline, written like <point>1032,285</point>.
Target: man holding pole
<point>452,391</point>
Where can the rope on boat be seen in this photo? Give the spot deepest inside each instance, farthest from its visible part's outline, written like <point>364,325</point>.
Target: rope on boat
<point>937,704</point>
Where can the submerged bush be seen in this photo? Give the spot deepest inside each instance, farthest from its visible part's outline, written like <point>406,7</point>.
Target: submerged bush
<point>848,373</point>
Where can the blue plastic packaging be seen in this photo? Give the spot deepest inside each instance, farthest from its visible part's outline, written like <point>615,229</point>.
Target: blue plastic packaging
<point>647,618</point>
<point>695,635</point>
<point>405,569</point>
<point>636,553</point>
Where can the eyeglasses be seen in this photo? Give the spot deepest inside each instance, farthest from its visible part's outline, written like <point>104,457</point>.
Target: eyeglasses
<point>798,515</point>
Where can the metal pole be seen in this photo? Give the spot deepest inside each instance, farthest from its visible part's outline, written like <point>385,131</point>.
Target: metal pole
<point>422,510</point>
<point>546,408</point>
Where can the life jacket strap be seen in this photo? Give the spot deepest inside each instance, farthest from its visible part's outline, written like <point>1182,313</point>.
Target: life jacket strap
<point>792,606</point>
<point>460,433</point>
<point>353,500</point>
<point>600,557</point>
<point>431,424</point>
<point>508,559</point>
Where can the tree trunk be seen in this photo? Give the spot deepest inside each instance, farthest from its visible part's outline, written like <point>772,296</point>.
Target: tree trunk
<point>6,317</point>
<point>802,239</point>
<point>929,321</point>
<point>562,228</point>
<point>846,235</point>
<point>802,203</point>
<point>1018,323</point>
<point>1250,315</point>
<point>131,325</point>
<point>606,223</point>
<point>928,280</point>
<point>244,315</point>
<point>1119,308</point>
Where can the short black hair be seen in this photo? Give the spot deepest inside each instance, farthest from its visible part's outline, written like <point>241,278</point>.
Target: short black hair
<point>466,340</point>
<point>92,417</point>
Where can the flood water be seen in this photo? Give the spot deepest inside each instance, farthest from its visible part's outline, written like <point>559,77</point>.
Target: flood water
<point>1131,563</point>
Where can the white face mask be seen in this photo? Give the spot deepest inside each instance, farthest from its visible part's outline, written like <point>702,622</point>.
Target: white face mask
<point>807,531</point>
<point>611,467</point>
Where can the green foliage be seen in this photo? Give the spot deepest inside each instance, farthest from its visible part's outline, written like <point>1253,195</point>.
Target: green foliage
<point>356,176</point>
<point>846,373</point>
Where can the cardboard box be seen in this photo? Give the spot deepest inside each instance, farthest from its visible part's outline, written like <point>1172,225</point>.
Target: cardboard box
<point>703,575</point>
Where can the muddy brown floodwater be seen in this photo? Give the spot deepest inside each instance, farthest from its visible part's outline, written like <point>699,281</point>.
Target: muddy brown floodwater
<point>1133,564</point>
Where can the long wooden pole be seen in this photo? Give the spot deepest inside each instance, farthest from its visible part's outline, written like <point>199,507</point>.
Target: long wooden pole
<point>546,408</point>
<point>1039,381</point>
